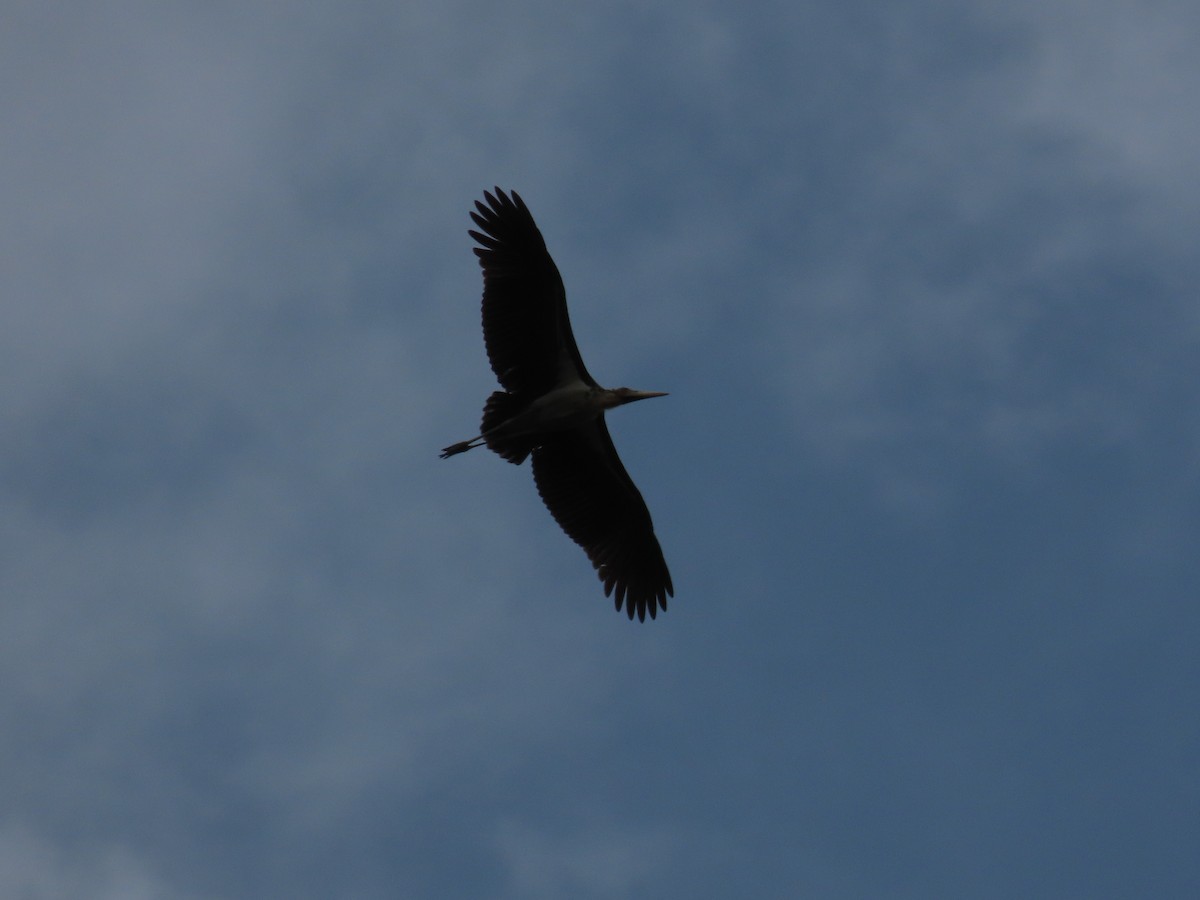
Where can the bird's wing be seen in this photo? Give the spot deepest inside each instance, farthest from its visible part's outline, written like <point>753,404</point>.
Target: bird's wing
<point>589,493</point>
<point>525,323</point>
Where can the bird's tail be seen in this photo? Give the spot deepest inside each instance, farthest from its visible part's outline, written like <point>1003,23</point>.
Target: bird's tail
<point>501,407</point>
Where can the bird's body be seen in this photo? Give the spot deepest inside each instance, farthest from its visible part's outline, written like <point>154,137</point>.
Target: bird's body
<point>553,409</point>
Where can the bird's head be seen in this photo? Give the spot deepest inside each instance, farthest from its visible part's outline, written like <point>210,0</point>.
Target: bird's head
<point>621,396</point>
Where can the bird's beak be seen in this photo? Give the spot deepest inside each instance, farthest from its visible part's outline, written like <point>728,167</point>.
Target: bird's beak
<point>643,395</point>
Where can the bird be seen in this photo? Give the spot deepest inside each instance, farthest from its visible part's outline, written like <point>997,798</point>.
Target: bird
<point>552,410</point>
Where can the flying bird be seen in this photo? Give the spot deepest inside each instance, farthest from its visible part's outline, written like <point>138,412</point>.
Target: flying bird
<point>553,410</point>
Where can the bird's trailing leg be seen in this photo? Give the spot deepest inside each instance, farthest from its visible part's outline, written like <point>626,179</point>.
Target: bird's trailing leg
<point>462,447</point>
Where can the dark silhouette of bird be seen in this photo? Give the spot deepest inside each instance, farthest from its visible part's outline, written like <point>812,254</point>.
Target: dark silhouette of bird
<point>553,410</point>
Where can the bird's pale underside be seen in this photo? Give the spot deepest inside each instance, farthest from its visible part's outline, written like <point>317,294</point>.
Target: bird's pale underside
<point>552,410</point>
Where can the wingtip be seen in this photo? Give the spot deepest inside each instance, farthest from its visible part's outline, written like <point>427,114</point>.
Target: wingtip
<point>640,608</point>
<point>497,198</point>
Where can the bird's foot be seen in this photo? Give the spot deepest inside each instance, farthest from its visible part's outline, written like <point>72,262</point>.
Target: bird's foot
<point>460,447</point>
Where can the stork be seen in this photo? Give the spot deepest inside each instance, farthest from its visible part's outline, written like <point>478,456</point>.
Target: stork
<point>553,410</point>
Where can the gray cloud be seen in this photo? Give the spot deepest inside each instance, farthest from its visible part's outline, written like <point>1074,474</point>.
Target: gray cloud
<point>917,280</point>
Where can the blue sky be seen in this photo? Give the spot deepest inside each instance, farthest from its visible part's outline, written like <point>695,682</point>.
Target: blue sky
<point>920,278</point>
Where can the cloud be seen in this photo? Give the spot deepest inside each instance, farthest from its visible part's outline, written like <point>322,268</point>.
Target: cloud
<point>589,865</point>
<point>43,870</point>
<point>917,282</point>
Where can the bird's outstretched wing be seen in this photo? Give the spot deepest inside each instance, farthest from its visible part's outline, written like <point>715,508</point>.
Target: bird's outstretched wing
<point>589,493</point>
<point>525,324</point>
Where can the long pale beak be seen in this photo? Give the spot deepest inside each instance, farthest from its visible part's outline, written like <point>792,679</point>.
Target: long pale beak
<point>629,395</point>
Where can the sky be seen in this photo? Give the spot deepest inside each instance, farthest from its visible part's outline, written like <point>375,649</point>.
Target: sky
<point>920,278</point>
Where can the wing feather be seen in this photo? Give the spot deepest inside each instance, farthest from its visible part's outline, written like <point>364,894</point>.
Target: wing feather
<point>525,324</point>
<point>586,488</point>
